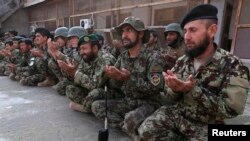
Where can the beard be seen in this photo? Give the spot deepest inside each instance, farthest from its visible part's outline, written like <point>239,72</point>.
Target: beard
<point>173,43</point>
<point>88,57</point>
<point>130,43</point>
<point>198,49</point>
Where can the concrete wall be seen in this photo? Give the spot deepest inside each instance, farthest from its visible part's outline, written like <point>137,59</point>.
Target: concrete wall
<point>17,21</point>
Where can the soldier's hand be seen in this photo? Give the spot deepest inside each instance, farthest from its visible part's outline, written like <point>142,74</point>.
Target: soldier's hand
<point>12,67</point>
<point>52,48</point>
<point>177,85</point>
<point>169,58</point>
<point>37,53</point>
<point>71,63</point>
<point>67,68</point>
<point>117,43</point>
<point>126,74</point>
<point>62,64</point>
<point>117,74</point>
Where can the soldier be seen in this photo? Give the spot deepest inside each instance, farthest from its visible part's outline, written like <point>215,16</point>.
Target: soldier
<point>153,44</point>
<point>175,45</point>
<point>16,40</point>
<point>41,76</point>
<point>6,53</point>
<point>69,55</point>
<point>12,56</point>
<point>117,47</point>
<point>88,77</point>
<point>60,39</point>
<point>139,75</point>
<point>22,65</point>
<point>208,83</point>
<point>7,36</point>
<point>74,34</point>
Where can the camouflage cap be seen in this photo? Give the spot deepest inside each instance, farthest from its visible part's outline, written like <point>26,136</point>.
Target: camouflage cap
<point>137,24</point>
<point>87,39</point>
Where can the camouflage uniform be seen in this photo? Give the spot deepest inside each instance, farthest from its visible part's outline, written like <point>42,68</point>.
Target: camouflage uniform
<point>14,59</point>
<point>60,32</point>
<point>89,81</point>
<point>22,66</point>
<point>74,55</point>
<point>153,44</point>
<point>174,51</point>
<point>43,76</point>
<point>39,70</point>
<point>70,54</point>
<point>141,92</point>
<point>212,99</point>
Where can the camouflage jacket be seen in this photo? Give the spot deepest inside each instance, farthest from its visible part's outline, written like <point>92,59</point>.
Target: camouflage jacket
<point>172,52</point>
<point>146,80</point>
<point>15,58</point>
<point>24,59</point>
<point>220,91</point>
<point>91,75</point>
<point>155,47</point>
<point>72,54</point>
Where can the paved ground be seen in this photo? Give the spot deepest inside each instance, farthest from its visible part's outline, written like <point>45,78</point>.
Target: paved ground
<point>39,114</point>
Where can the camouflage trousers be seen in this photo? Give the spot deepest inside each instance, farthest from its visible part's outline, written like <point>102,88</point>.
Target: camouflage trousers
<point>170,124</point>
<point>33,80</point>
<point>52,65</point>
<point>42,67</point>
<point>20,72</point>
<point>4,68</point>
<point>61,86</point>
<point>125,113</point>
<point>86,98</point>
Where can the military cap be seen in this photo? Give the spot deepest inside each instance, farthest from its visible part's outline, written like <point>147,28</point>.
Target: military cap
<point>17,38</point>
<point>203,11</point>
<point>87,39</point>
<point>137,24</point>
<point>43,31</point>
<point>99,36</point>
<point>26,41</point>
<point>8,41</point>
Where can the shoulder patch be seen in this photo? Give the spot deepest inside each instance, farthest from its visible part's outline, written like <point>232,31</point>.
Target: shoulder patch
<point>155,79</point>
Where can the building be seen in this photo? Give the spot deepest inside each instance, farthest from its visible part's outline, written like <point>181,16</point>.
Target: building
<point>234,21</point>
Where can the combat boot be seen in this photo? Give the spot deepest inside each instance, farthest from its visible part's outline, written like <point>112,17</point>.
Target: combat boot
<point>76,107</point>
<point>17,77</point>
<point>23,81</point>
<point>7,73</point>
<point>12,76</point>
<point>47,82</point>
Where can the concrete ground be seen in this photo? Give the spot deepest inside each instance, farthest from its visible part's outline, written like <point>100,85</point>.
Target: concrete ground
<point>39,114</point>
